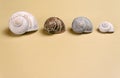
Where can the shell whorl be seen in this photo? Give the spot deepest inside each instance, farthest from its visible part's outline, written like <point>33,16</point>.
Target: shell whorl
<point>54,25</point>
<point>106,27</point>
<point>81,25</point>
<point>21,22</point>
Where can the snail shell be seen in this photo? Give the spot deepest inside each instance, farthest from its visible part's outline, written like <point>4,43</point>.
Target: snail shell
<point>82,25</point>
<point>106,27</point>
<point>54,25</point>
<point>21,22</point>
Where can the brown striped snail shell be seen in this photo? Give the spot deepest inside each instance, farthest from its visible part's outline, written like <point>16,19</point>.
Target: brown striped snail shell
<point>22,22</point>
<point>54,25</point>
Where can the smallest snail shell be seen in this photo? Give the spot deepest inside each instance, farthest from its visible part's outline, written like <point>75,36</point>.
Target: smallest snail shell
<point>82,25</point>
<point>22,22</point>
<point>106,27</point>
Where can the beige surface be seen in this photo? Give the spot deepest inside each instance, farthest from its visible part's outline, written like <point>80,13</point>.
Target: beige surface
<point>66,55</point>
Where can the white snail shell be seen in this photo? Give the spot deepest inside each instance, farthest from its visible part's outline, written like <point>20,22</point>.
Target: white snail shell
<point>21,22</point>
<point>82,25</point>
<point>106,27</point>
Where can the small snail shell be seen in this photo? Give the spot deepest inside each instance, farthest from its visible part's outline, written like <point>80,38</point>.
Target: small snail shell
<point>106,27</point>
<point>82,25</point>
<point>21,22</point>
<point>54,25</point>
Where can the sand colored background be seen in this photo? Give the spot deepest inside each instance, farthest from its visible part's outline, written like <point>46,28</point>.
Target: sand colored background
<point>66,55</point>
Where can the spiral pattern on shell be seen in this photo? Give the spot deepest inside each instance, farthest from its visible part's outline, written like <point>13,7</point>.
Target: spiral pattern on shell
<point>81,25</point>
<point>21,22</point>
<point>54,25</point>
<point>106,27</point>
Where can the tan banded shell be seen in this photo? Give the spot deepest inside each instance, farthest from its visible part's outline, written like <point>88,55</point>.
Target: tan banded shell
<point>54,25</point>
